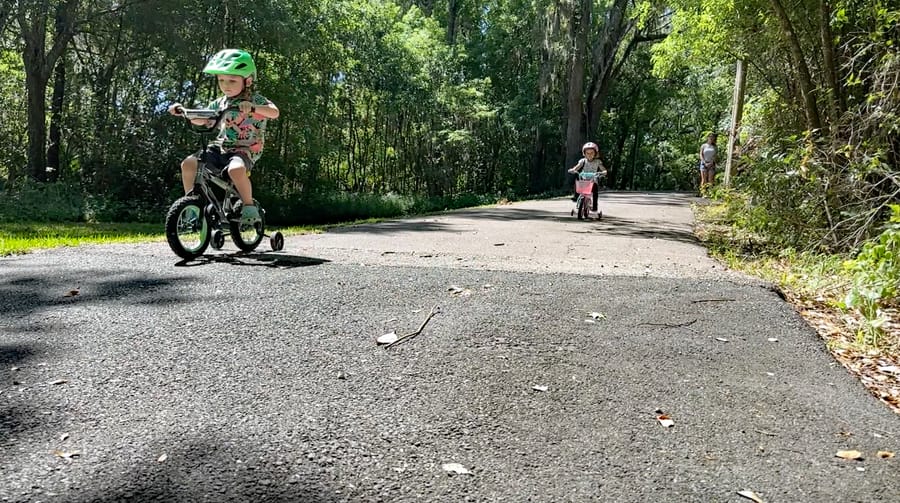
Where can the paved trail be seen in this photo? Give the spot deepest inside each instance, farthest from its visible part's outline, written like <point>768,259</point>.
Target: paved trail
<point>256,377</point>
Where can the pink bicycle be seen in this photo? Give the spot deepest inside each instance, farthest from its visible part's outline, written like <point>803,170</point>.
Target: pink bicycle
<point>584,186</point>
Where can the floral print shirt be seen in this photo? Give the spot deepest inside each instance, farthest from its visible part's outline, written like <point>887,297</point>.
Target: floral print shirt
<point>240,132</point>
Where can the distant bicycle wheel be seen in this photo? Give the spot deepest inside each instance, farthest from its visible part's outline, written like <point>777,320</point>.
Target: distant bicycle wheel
<point>187,229</point>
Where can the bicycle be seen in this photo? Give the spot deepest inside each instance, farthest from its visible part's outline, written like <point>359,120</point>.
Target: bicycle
<point>584,187</point>
<point>213,207</point>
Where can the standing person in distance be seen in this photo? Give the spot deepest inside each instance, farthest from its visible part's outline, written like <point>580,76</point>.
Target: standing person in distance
<point>708,158</point>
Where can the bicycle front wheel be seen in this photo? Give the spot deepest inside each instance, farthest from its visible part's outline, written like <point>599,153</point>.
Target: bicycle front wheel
<point>187,229</point>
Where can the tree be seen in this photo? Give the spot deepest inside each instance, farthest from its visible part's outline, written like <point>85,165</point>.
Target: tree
<point>40,57</point>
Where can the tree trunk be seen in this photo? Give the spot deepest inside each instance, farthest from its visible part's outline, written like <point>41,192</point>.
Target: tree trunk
<point>835,95</point>
<point>56,106</point>
<point>580,23</point>
<point>37,129</point>
<point>806,87</point>
<point>603,59</point>
<point>452,19</point>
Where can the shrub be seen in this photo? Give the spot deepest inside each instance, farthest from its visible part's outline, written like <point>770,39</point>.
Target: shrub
<point>876,275</point>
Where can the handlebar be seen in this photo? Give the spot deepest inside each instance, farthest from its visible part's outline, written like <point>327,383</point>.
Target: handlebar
<point>206,114</point>
<point>198,113</point>
<point>588,175</point>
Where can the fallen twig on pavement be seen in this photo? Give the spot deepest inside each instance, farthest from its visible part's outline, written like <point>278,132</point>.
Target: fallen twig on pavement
<point>406,337</point>
<point>712,300</point>
<point>670,325</point>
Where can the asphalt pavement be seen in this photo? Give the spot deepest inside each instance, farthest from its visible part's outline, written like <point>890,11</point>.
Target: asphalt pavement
<point>558,354</point>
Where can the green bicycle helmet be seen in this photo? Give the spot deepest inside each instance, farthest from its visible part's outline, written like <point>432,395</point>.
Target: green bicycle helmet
<point>231,62</point>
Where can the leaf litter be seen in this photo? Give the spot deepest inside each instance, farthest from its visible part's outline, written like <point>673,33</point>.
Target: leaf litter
<point>851,455</point>
<point>459,291</point>
<point>877,369</point>
<point>67,455</point>
<point>665,420</point>
<point>750,495</point>
<point>456,468</point>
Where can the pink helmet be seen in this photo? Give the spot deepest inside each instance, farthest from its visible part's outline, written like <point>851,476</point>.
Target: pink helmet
<point>592,145</point>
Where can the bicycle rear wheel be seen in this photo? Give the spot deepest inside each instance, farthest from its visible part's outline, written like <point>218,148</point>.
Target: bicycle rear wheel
<point>248,236</point>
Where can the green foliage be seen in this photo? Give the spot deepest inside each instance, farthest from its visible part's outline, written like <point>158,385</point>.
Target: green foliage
<point>66,202</point>
<point>876,279</point>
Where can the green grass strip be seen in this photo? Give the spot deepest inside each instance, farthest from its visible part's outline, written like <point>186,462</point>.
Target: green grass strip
<point>27,236</point>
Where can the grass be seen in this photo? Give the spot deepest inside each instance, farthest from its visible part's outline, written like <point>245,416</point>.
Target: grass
<point>18,238</point>
<point>25,237</point>
<point>803,275</point>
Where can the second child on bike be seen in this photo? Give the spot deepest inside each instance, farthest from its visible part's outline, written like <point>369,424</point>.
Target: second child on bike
<point>590,163</point>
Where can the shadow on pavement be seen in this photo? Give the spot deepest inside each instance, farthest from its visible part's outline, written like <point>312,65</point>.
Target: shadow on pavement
<point>651,198</point>
<point>13,354</point>
<point>515,213</point>
<point>215,469</point>
<point>16,418</point>
<point>273,260</point>
<point>430,223</point>
<point>28,294</point>
<point>621,227</point>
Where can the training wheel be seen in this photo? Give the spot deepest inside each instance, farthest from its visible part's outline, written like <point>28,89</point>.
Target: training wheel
<point>599,215</point>
<point>218,239</point>
<point>276,241</point>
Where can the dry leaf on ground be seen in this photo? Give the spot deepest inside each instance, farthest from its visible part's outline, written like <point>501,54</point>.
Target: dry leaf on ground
<point>59,381</point>
<point>71,293</point>
<point>885,454</point>
<point>598,316</point>
<point>540,388</point>
<point>162,458</point>
<point>750,495</point>
<point>455,468</point>
<point>387,338</point>
<point>462,292</point>
<point>665,420</point>
<point>67,455</point>
<point>849,455</point>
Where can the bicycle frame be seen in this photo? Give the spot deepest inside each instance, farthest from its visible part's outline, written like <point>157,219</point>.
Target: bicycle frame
<point>206,178</point>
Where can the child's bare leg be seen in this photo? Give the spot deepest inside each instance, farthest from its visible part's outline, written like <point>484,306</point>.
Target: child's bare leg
<point>188,173</point>
<point>238,174</point>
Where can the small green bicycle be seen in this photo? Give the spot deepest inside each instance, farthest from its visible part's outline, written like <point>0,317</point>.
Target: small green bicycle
<point>213,208</point>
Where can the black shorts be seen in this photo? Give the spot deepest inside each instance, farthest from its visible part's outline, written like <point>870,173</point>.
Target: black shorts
<point>214,157</point>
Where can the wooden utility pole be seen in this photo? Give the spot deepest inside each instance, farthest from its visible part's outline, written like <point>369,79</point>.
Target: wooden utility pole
<point>737,108</point>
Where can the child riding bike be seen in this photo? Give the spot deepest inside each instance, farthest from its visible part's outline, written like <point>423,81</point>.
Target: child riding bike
<point>241,132</point>
<point>590,163</point>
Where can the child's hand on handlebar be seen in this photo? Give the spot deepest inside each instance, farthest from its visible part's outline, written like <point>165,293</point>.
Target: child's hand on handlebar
<point>176,108</point>
<point>245,107</point>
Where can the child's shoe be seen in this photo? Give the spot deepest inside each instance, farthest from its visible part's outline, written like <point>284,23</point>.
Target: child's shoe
<point>249,215</point>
